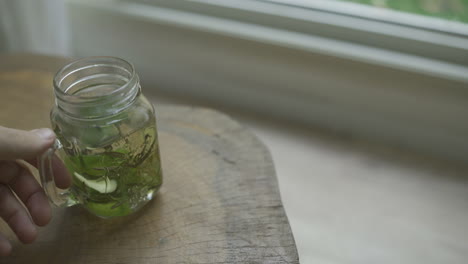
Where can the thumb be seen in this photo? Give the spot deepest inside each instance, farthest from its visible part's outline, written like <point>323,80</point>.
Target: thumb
<point>21,144</point>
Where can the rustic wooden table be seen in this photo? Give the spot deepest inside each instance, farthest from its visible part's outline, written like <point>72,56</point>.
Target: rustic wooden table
<point>219,202</point>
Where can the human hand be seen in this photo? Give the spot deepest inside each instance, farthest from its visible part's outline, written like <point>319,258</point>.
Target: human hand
<point>16,178</point>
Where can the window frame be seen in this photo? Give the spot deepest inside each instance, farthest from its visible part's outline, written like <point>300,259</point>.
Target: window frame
<point>363,38</point>
<point>244,55</point>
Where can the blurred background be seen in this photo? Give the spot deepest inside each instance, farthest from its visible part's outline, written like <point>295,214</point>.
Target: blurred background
<point>363,103</point>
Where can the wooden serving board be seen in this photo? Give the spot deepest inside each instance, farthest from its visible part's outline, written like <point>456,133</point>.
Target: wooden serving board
<point>219,202</point>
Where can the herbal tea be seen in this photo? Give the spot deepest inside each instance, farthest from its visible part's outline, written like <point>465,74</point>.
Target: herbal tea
<point>116,178</point>
<point>106,137</point>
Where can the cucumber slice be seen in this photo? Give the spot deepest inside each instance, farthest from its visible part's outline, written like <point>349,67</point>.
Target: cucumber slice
<point>102,186</point>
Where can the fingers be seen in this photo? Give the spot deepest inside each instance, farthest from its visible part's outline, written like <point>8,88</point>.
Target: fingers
<point>8,170</point>
<point>62,177</point>
<point>32,195</point>
<point>5,246</point>
<point>15,216</point>
<point>20,144</point>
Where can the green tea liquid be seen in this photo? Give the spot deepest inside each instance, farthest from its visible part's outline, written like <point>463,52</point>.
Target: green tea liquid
<point>117,178</point>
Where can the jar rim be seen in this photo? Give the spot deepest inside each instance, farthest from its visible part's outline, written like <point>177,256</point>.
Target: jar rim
<point>83,73</point>
<point>59,76</point>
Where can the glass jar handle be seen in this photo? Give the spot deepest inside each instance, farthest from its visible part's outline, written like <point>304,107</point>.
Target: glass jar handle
<point>59,197</point>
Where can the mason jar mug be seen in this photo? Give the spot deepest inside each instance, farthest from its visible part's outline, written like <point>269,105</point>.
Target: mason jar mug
<point>106,138</point>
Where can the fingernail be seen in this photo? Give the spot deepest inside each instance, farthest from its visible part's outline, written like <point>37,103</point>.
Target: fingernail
<point>44,133</point>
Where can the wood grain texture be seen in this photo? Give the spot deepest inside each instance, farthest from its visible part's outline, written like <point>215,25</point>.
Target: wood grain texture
<point>219,202</point>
